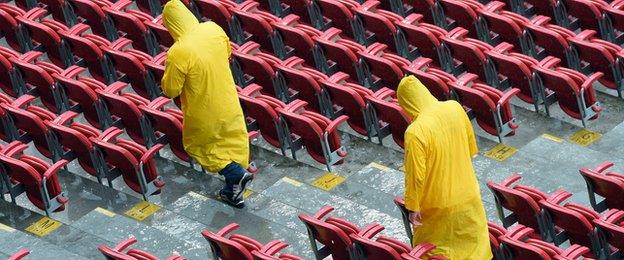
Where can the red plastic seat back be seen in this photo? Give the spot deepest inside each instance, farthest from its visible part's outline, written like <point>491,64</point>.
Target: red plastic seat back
<point>215,11</point>
<point>45,36</point>
<point>506,28</point>
<point>421,38</point>
<point>588,14</point>
<point>329,235</point>
<point>38,78</point>
<point>437,86</point>
<point>566,90</point>
<point>32,125</point>
<point>87,51</point>
<point>599,58</point>
<point>92,15</point>
<point>374,250</point>
<point>471,56</point>
<point>28,171</point>
<point>394,116</point>
<point>544,7</point>
<point>258,28</point>
<point>553,43</point>
<point>131,25</point>
<point>338,15</point>
<point>169,125</point>
<point>311,132</point>
<point>483,106</point>
<point>76,142</point>
<point>6,67</point>
<point>388,73</point>
<point>578,228</point>
<point>308,88</point>
<point>345,58</point>
<point>297,39</point>
<point>300,8</point>
<point>609,188</point>
<point>127,111</point>
<point>524,251</point>
<point>264,115</point>
<point>259,69</point>
<point>352,103</point>
<point>518,74</point>
<point>83,95</point>
<point>463,15</point>
<point>383,28</point>
<point>521,204</point>
<point>8,27</point>
<point>225,248</point>
<point>614,233</point>
<point>132,67</point>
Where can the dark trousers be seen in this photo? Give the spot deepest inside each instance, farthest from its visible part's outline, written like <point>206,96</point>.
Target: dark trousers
<point>233,172</point>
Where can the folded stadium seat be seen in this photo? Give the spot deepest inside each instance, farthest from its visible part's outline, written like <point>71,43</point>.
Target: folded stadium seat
<point>506,27</point>
<point>364,247</point>
<point>33,176</point>
<point>400,203</point>
<point>585,14</point>
<point>253,25</point>
<point>250,65</point>
<point>61,11</point>
<point>550,8</point>
<point>491,107</point>
<point>260,114</point>
<point>339,55</point>
<point>42,37</point>
<point>9,82</point>
<point>117,252</point>
<point>217,12</point>
<point>151,7</point>
<point>574,91</point>
<point>607,184</point>
<point>400,7</point>
<point>337,14</point>
<point>469,55</point>
<point>495,232</point>
<point>378,26</point>
<point>332,234</point>
<point>381,69</point>
<point>26,123</point>
<point>522,201</point>
<point>521,246</point>
<point>227,246</point>
<point>463,14</point>
<point>610,229</point>
<point>159,31</point>
<point>429,9</point>
<point>387,110</point>
<point>21,254</point>
<point>89,12</point>
<point>123,108</point>
<point>130,22</point>
<point>132,161</point>
<point>10,31</point>
<point>167,124</point>
<point>601,56</point>
<point>306,82</point>
<point>319,135</point>
<point>299,8</point>
<point>550,40</point>
<point>517,71</point>
<point>129,66</point>
<point>295,39</point>
<point>436,80</point>
<point>422,39</point>
<point>351,98</point>
<point>74,137</point>
<point>613,22</point>
<point>86,52</point>
<point>571,222</point>
<point>35,77</point>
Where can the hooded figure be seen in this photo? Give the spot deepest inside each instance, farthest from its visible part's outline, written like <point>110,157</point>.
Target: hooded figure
<point>197,70</point>
<point>441,189</point>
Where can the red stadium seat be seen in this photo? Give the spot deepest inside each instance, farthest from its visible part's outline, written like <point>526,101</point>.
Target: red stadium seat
<point>388,111</point>
<point>382,69</point>
<point>227,246</point>
<point>340,55</point>
<point>436,80</point>
<point>295,39</point>
<point>605,183</point>
<point>19,254</point>
<point>522,247</point>
<point>351,97</point>
<point>470,54</point>
<point>117,253</point>
<point>422,39</point>
<point>611,231</point>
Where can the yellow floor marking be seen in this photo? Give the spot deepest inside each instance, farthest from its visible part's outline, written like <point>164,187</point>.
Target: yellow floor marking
<point>328,181</point>
<point>43,226</point>
<point>6,228</point>
<point>292,182</point>
<point>552,138</point>
<point>501,152</point>
<point>197,196</point>
<point>379,167</point>
<point>105,212</point>
<point>247,193</point>
<point>142,210</point>
<point>585,137</point>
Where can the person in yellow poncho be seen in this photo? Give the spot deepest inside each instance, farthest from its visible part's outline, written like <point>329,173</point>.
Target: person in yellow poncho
<point>197,70</point>
<point>441,189</point>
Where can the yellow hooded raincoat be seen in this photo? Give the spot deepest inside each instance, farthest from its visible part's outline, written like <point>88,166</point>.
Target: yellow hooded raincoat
<point>440,182</point>
<point>197,69</point>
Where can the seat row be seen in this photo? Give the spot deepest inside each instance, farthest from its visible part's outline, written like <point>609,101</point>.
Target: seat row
<point>558,221</point>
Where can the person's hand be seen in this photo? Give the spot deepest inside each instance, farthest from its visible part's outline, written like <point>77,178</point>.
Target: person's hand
<point>415,219</point>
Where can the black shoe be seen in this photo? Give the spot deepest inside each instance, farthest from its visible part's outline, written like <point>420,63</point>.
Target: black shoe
<point>231,200</point>
<point>239,188</point>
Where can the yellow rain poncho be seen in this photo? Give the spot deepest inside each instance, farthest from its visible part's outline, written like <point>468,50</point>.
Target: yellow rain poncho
<point>440,182</point>
<point>197,69</point>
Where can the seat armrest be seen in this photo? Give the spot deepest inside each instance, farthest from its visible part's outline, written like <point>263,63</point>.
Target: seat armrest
<point>603,166</point>
<point>371,230</point>
<point>53,170</point>
<point>159,102</point>
<point>149,154</point>
<point>335,123</point>
<point>65,117</point>
<point>559,196</point>
<point>109,134</point>
<point>323,212</point>
<point>586,35</point>
<point>591,79</point>
<point>511,180</point>
<point>125,244</point>
<point>273,247</point>
<point>507,96</point>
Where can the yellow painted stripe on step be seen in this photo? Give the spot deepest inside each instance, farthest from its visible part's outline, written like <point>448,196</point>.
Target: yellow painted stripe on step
<point>552,138</point>
<point>379,167</point>
<point>43,226</point>
<point>328,181</point>
<point>292,182</point>
<point>501,152</point>
<point>105,212</point>
<point>585,137</point>
<point>6,228</point>
<point>198,196</point>
<point>247,193</point>
<point>142,210</point>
